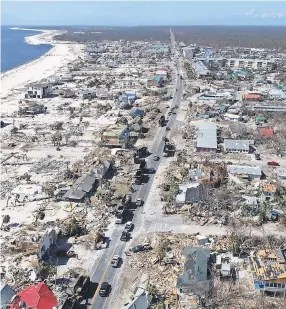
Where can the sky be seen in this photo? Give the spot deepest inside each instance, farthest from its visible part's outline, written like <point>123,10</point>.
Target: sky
<point>135,13</point>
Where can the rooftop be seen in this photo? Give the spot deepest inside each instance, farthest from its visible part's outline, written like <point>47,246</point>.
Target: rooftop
<point>195,275</point>
<point>238,144</point>
<point>244,169</point>
<point>268,188</point>
<point>207,136</point>
<point>114,130</point>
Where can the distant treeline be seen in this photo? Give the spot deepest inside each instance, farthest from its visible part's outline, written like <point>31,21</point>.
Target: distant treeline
<point>242,36</point>
<point>117,33</point>
<point>216,36</point>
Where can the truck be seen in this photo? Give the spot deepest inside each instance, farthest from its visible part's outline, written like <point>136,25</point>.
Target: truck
<point>115,261</point>
<point>142,165</point>
<point>162,121</point>
<point>139,175</point>
<point>168,149</point>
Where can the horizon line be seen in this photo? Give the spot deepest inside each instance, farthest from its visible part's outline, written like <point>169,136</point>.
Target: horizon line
<point>133,26</point>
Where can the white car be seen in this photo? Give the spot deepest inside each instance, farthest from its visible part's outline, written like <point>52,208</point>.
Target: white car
<point>139,202</point>
<point>156,158</point>
<point>128,226</point>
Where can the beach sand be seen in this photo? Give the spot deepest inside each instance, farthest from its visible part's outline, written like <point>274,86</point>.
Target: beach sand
<point>43,67</point>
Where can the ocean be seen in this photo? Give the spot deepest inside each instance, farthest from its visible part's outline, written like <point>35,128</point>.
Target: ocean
<point>15,51</point>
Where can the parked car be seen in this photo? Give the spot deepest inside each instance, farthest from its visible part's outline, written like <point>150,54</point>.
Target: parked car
<point>165,154</point>
<point>104,289</point>
<point>156,158</point>
<point>139,202</point>
<point>144,247</point>
<point>273,163</point>
<point>168,128</point>
<point>128,226</point>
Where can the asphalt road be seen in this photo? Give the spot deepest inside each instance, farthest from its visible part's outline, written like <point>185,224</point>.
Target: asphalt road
<point>103,271</point>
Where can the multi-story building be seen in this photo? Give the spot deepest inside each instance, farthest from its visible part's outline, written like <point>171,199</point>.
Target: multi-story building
<point>241,63</point>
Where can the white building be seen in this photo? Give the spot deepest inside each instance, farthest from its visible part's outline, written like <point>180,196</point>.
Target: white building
<point>241,63</point>
<point>235,145</point>
<point>162,73</point>
<point>38,91</point>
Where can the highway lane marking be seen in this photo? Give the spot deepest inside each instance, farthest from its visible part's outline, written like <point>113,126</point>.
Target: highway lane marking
<point>104,273</point>
<point>112,291</point>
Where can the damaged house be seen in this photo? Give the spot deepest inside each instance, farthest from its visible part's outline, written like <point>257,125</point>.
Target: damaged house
<point>192,193</point>
<point>83,187</point>
<point>196,278</point>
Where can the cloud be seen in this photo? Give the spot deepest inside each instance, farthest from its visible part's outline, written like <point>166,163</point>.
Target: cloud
<point>269,15</point>
<point>251,12</point>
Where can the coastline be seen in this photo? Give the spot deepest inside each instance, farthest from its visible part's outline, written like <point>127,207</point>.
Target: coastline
<point>42,67</point>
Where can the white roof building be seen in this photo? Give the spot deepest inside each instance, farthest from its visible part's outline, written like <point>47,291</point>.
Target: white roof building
<point>207,136</point>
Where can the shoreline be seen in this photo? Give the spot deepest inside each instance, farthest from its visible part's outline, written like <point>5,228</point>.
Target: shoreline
<point>39,68</point>
<point>29,40</point>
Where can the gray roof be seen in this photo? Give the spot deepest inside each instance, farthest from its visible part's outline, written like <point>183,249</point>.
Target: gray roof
<point>195,276</point>
<point>140,301</point>
<point>196,194</point>
<point>207,136</point>
<point>6,294</point>
<point>237,144</point>
<point>200,68</point>
<point>82,185</point>
<point>243,169</point>
<point>74,195</point>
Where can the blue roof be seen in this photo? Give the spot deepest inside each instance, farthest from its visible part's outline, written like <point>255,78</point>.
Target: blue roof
<point>137,111</point>
<point>157,78</point>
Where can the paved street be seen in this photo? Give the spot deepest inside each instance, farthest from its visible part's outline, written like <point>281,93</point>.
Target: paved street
<point>103,271</point>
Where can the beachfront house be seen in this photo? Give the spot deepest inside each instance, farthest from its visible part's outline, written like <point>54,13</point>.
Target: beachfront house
<point>39,91</point>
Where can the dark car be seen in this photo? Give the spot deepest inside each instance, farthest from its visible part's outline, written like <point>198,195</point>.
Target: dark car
<point>125,236</point>
<point>145,247</point>
<point>104,289</point>
<point>137,249</point>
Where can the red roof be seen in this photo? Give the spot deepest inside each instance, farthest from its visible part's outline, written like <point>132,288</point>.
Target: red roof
<point>266,132</point>
<point>164,69</point>
<point>37,296</point>
<point>252,96</point>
